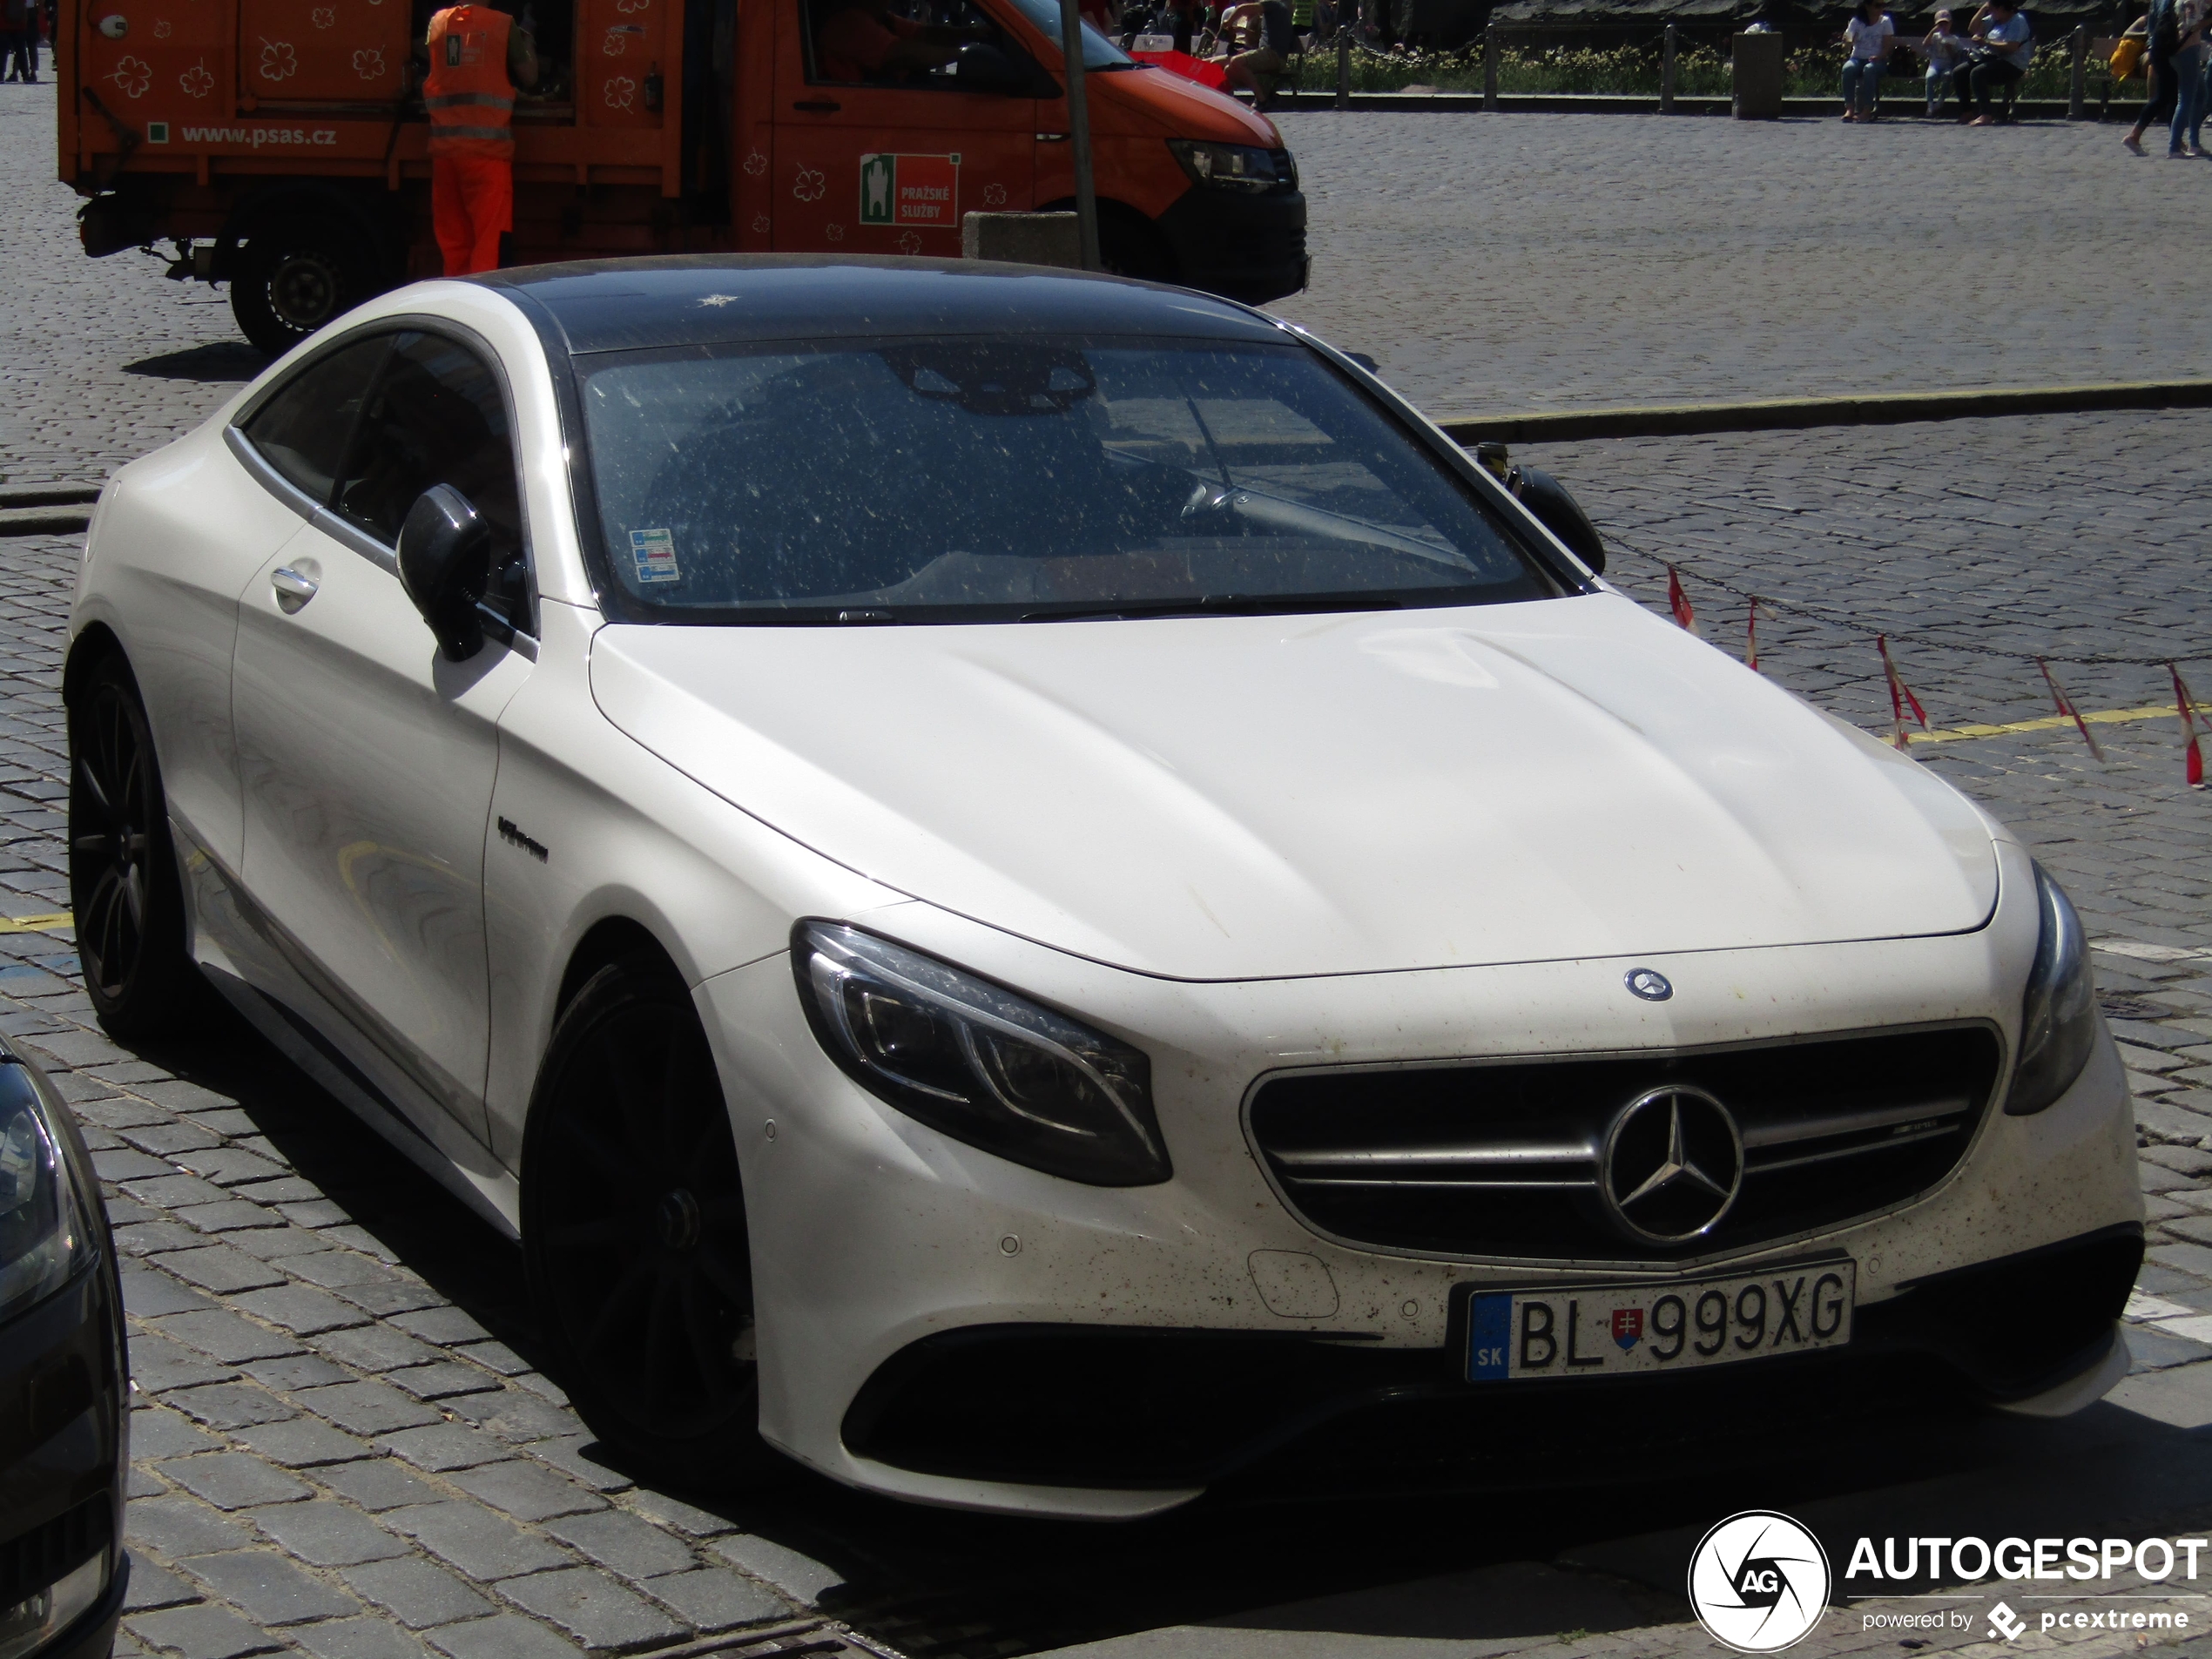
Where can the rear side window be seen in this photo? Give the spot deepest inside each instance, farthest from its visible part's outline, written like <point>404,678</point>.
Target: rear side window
<point>302,430</point>
<point>436,417</point>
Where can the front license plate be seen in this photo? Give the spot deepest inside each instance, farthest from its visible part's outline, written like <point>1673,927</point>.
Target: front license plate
<point>1622,1330</point>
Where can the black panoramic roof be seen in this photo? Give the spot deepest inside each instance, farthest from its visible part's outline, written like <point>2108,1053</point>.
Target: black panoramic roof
<point>713,299</point>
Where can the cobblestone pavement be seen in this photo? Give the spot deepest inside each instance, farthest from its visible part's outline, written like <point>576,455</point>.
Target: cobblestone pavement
<point>1536,261</point>
<point>342,1445</point>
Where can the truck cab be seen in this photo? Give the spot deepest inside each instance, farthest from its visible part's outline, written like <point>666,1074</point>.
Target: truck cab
<point>283,147</point>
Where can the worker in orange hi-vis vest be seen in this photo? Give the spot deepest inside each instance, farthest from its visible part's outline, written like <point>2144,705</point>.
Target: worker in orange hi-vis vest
<point>478,57</point>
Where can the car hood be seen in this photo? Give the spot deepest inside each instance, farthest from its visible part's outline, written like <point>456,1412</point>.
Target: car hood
<point>1263,797</point>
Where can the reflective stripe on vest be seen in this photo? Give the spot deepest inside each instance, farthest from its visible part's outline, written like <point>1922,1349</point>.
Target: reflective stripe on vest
<point>468,94</point>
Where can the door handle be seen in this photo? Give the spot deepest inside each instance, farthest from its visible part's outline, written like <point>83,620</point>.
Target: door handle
<point>819,105</point>
<point>292,589</point>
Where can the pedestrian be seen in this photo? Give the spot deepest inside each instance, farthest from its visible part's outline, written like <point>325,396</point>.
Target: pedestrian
<point>2003,46</point>
<point>1945,51</point>
<point>1868,36</point>
<point>2190,54</point>
<point>19,39</point>
<point>1263,29</point>
<point>2161,91</point>
<point>478,57</point>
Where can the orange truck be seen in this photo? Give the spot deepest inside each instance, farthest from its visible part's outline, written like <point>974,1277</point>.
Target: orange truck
<point>281,145</point>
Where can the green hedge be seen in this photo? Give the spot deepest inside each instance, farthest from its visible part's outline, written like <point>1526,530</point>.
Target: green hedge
<point>1622,72</point>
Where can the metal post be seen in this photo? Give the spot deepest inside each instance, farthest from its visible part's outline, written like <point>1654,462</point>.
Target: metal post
<point>2077,100</point>
<point>1344,56</point>
<point>1490,66</point>
<point>1071,47</point>
<point>1666,73</point>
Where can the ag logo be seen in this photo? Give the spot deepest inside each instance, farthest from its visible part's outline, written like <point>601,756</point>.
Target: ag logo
<point>1758,1582</point>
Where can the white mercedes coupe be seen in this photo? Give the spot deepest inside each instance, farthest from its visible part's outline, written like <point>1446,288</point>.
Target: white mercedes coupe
<point>1028,889</point>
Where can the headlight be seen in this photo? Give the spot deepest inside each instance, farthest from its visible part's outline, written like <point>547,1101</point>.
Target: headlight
<point>2059,1015</point>
<point>36,1619</point>
<point>978,1062</point>
<point>1235,166</point>
<point>42,1235</point>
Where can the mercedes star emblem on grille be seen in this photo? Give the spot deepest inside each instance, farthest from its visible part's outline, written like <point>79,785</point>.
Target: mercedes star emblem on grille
<point>1650,984</point>
<point>1672,1166</point>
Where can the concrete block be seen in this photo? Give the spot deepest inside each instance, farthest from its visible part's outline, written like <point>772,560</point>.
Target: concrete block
<point>1023,238</point>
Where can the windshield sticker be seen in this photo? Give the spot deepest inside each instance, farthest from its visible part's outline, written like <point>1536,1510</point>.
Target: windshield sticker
<point>655,553</point>
<point>911,191</point>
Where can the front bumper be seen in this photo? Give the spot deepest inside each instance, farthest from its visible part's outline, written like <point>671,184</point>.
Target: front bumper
<point>938,1323</point>
<point>1242,247</point>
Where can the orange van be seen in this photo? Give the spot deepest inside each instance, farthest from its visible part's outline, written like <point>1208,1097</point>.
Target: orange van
<point>281,145</point>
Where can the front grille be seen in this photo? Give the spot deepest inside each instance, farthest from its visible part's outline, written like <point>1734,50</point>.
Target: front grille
<point>1503,1160</point>
<point>49,1553</point>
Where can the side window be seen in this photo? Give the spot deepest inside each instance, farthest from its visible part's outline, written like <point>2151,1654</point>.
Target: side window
<point>302,430</point>
<point>853,42</point>
<point>436,417</point>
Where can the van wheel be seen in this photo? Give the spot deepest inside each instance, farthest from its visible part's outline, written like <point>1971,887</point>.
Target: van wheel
<point>125,894</point>
<point>292,278</point>
<point>1131,246</point>
<point>634,1231</point>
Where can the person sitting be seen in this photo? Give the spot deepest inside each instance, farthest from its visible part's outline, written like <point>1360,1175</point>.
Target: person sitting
<point>1998,57</point>
<point>1945,51</point>
<point>1868,36</point>
<point>1263,28</point>
<point>865,40</point>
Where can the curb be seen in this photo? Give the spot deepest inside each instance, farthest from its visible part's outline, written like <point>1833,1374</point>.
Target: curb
<point>1776,414</point>
<point>44,521</point>
<point>1309,100</point>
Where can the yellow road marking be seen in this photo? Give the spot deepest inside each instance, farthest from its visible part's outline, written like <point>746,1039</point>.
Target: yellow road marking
<point>2050,722</point>
<point>34,924</point>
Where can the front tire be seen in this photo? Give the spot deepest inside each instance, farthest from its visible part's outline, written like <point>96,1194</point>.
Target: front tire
<point>634,1231</point>
<point>125,894</point>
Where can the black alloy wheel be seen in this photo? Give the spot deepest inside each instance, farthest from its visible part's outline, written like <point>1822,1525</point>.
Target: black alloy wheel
<point>125,895</point>
<point>634,1230</point>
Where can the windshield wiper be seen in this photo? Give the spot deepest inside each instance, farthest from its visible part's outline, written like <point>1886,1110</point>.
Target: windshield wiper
<point>1216,605</point>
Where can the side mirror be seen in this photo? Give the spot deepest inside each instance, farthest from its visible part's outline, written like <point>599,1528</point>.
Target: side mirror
<point>1562,515</point>
<point>1364,361</point>
<point>445,565</point>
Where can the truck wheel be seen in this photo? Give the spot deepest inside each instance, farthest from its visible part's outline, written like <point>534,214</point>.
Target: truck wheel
<point>293,277</point>
<point>1129,247</point>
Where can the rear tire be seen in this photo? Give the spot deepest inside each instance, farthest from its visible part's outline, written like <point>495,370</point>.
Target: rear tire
<point>634,1232</point>
<point>295,276</point>
<point>124,893</point>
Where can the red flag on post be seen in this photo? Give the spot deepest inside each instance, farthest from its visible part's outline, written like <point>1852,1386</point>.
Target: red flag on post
<point>1678,602</point>
<point>2065,707</point>
<point>2192,753</point>
<point>1759,608</point>
<point>1901,696</point>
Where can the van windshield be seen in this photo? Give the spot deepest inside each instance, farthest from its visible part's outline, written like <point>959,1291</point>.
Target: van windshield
<point>965,479</point>
<point>1098,51</point>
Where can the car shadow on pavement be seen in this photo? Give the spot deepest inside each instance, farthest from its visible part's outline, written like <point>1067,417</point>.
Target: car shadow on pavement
<point>1450,1562</point>
<point>216,361</point>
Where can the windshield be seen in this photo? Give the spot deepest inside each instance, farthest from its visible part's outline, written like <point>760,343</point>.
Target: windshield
<point>1098,51</point>
<point>973,480</point>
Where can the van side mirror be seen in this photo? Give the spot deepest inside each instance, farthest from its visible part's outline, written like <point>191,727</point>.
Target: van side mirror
<point>445,565</point>
<point>1560,514</point>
